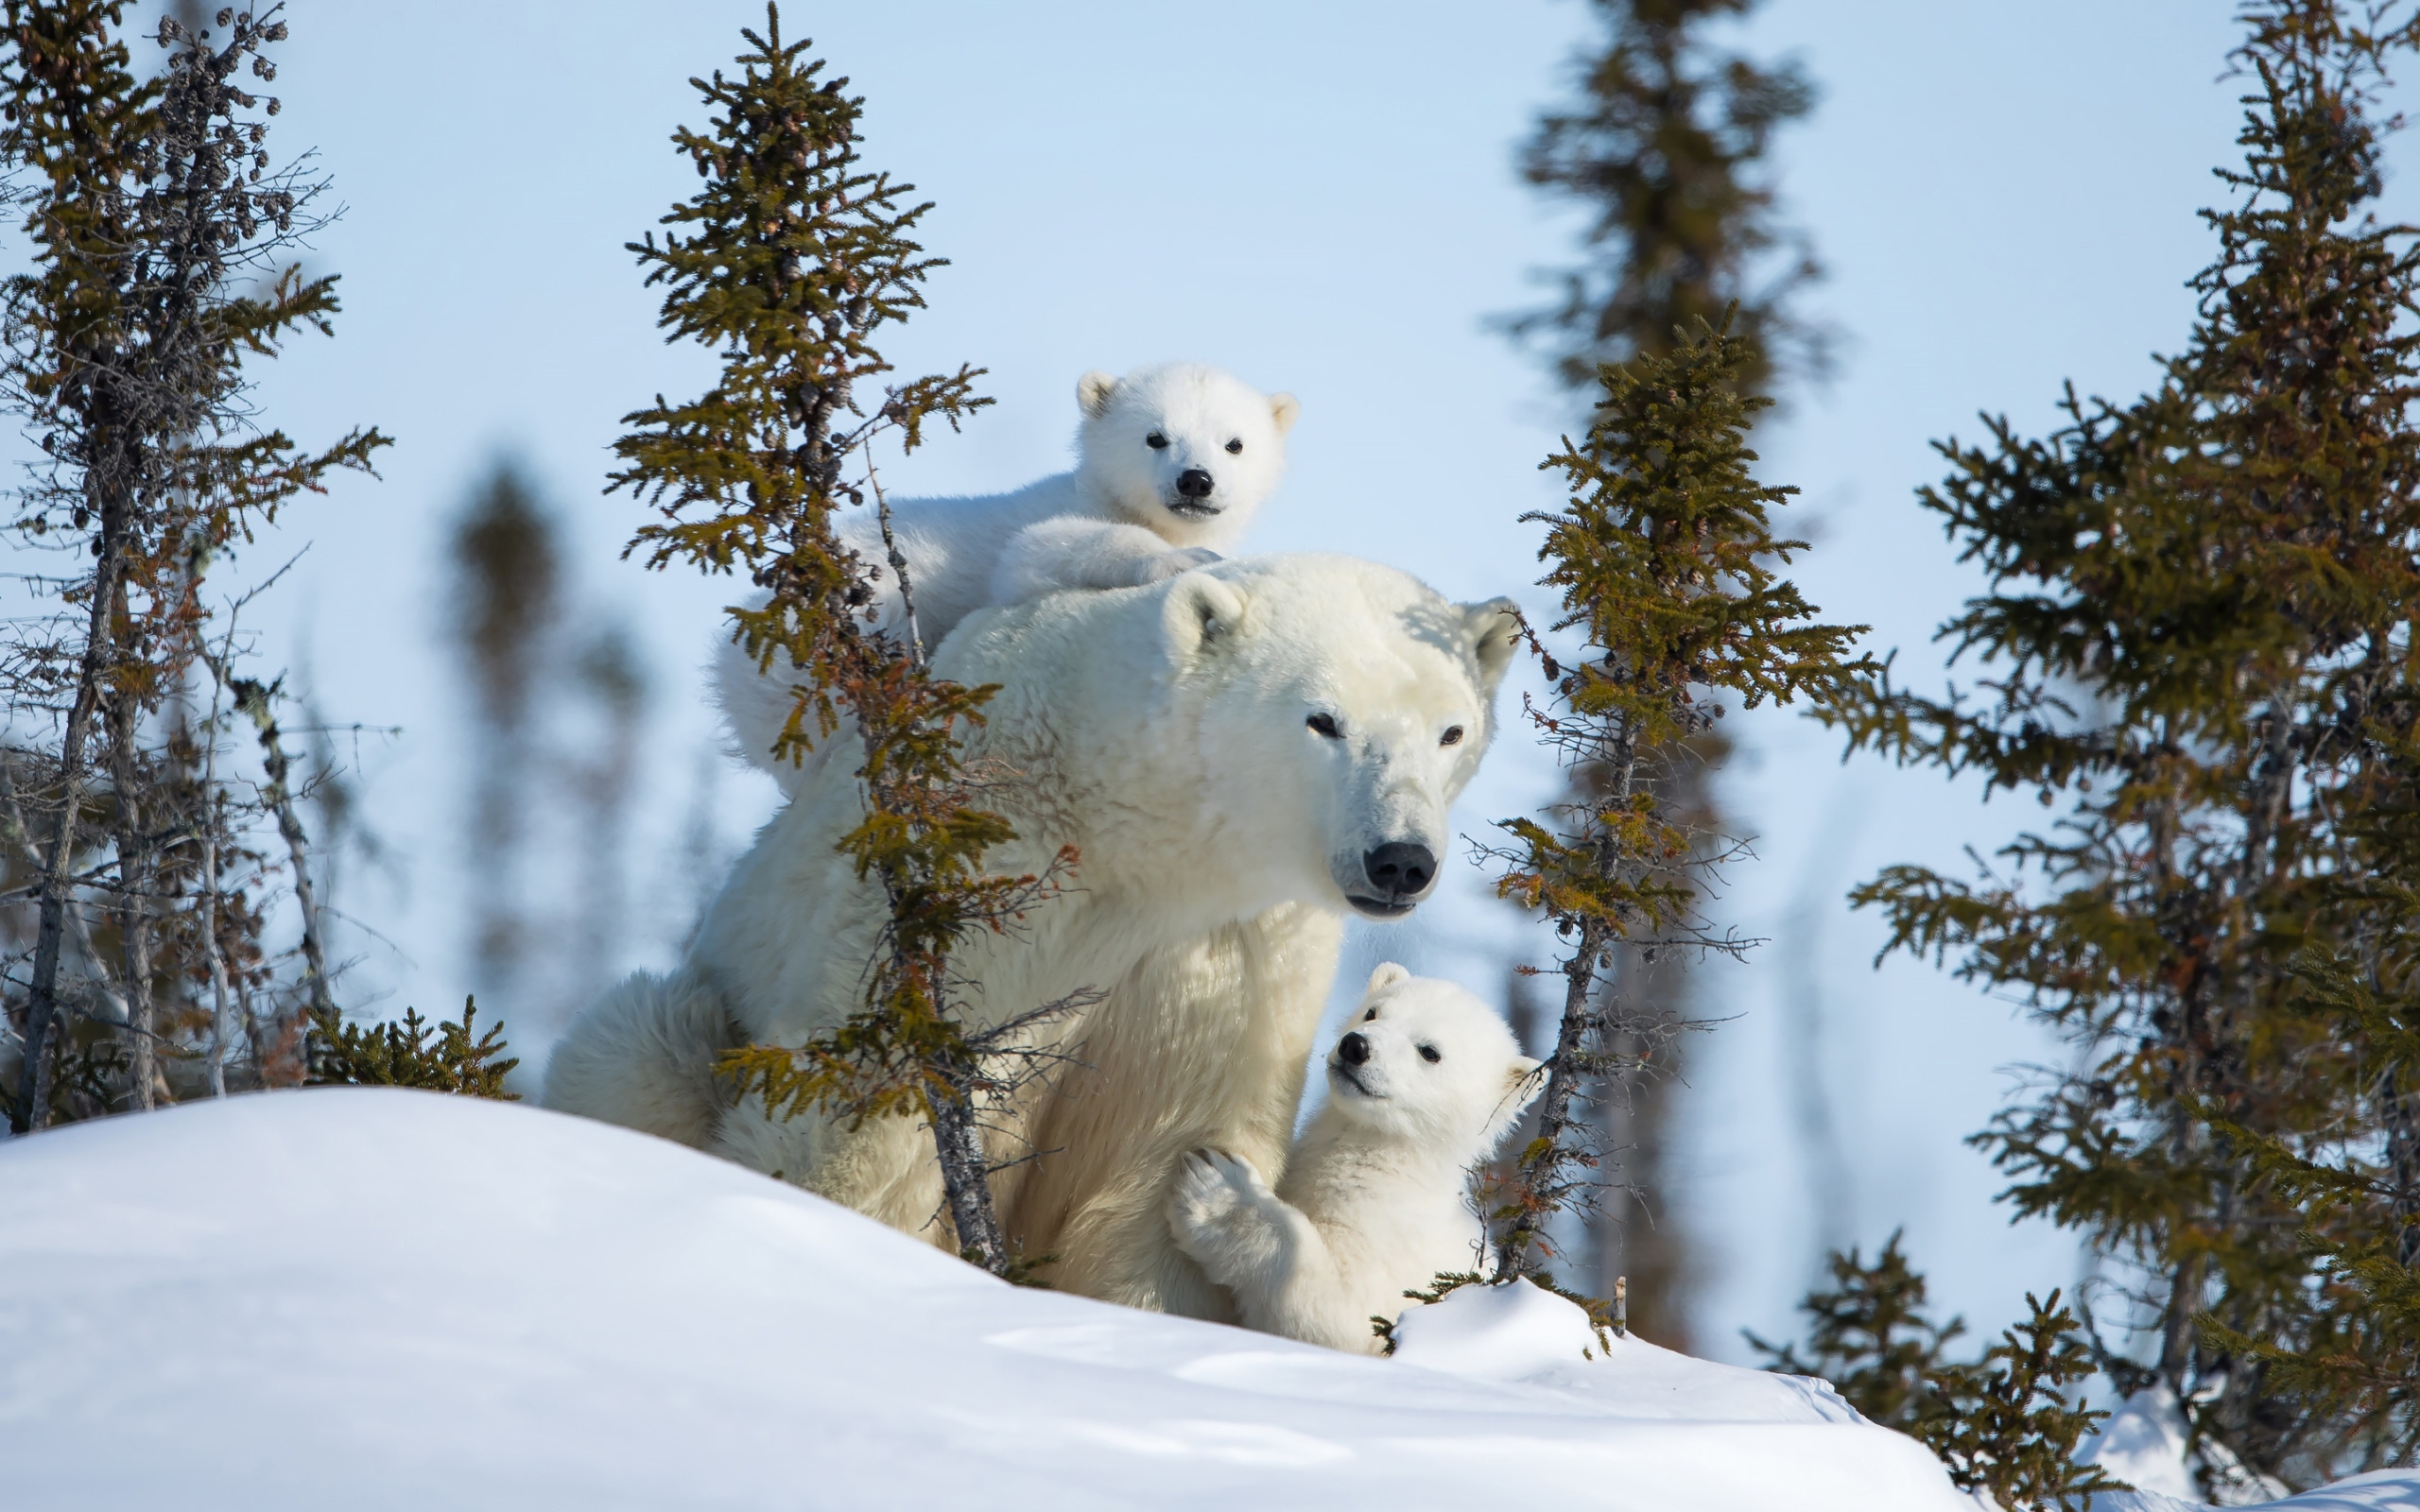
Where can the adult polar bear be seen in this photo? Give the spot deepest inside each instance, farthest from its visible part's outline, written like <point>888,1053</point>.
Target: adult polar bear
<point>1241,754</point>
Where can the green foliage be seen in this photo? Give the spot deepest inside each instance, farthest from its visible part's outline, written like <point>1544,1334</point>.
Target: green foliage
<point>2197,643</point>
<point>2003,1424</point>
<point>401,1055</point>
<point>788,261</point>
<point>1665,561</point>
<point>2355,1182</point>
<point>1663,150</point>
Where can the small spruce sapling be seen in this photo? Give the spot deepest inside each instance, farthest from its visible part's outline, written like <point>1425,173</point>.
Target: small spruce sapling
<point>1666,150</point>
<point>2003,1424</point>
<point>788,261</point>
<point>461,1059</point>
<point>1664,558</point>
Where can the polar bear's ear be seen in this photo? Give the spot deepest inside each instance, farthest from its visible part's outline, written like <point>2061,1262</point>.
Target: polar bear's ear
<point>1522,1085</point>
<point>1093,393</point>
<point>1495,631</point>
<point>1200,609</point>
<point>1386,975</point>
<point>1284,409</point>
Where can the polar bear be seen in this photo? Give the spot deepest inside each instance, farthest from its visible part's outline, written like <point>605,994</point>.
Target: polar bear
<point>1421,1089</point>
<point>1172,462</point>
<point>1223,747</point>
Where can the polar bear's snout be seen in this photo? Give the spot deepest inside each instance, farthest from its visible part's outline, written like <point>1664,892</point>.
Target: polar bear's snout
<point>1400,870</point>
<point>1196,483</point>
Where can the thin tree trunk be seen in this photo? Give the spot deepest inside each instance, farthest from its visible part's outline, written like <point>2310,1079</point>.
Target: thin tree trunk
<point>298,853</point>
<point>42,996</point>
<point>134,895</point>
<point>1517,1254</point>
<point>212,816</point>
<point>966,1177</point>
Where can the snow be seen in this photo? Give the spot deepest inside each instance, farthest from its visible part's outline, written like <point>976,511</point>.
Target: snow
<point>375,1298</point>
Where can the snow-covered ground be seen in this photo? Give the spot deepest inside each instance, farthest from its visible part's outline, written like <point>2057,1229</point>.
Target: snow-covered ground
<point>366,1298</point>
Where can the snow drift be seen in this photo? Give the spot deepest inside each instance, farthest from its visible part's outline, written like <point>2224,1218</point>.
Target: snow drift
<point>371,1298</point>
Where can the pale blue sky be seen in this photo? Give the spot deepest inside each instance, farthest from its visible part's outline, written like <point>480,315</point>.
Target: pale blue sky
<point>1320,198</point>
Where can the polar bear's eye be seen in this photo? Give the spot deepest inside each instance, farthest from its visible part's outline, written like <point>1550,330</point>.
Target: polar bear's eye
<point>1367,1017</point>
<point>1428,1053</point>
<point>1453,736</point>
<point>1324,724</point>
<point>1234,447</point>
<point>1156,442</point>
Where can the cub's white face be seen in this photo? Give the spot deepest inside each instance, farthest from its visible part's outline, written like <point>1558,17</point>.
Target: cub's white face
<point>1427,1063</point>
<point>1182,450</point>
<point>1346,707</point>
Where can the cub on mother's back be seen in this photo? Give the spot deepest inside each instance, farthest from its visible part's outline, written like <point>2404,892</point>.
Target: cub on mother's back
<point>1172,462</point>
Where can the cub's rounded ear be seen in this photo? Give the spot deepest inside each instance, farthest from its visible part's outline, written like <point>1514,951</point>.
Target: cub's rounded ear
<point>1201,610</point>
<point>1524,1081</point>
<point>1494,632</point>
<point>1386,975</point>
<point>1284,409</point>
<point>1094,392</point>
<point>1522,1085</point>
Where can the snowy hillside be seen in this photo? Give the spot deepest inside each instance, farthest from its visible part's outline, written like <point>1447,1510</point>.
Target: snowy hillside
<point>369,1299</point>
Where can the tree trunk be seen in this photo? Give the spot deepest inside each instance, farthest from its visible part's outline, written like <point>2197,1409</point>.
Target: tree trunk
<point>966,1177</point>
<point>58,867</point>
<point>134,895</point>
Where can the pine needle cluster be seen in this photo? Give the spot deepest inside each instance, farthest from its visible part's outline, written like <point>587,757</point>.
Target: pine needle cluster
<point>460,1060</point>
<point>788,261</point>
<point>1665,560</point>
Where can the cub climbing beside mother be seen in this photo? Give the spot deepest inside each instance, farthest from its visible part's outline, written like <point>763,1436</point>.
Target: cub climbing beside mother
<point>1242,754</point>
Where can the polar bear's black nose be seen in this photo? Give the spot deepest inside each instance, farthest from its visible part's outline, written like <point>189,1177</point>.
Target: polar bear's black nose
<point>1400,867</point>
<point>1354,1049</point>
<point>1195,483</point>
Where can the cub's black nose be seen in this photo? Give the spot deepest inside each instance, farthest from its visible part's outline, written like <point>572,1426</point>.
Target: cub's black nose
<point>1195,483</point>
<point>1354,1049</point>
<point>1400,867</point>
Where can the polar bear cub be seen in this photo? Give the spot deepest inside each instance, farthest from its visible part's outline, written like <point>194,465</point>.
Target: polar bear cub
<point>1425,1085</point>
<point>1172,462</point>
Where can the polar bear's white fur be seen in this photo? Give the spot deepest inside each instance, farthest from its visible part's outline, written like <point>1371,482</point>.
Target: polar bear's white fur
<point>1228,749</point>
<point>1172,462</point>
<point>1421,1089</point>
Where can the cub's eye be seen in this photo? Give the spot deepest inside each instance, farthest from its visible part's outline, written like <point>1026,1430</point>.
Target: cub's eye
<point>1367,1017</point>
<point>1234,447</point>
<point>1428,1054</point>
<point>1324,724</point>
<point>1453,736</point>
<point>1156,442</point>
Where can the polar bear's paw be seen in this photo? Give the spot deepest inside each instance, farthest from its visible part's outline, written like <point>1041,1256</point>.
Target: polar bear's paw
<point>1162,564</point>
<point>1215,1193</point>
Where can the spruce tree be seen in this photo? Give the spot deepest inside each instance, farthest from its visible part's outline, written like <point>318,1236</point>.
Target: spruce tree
<point>160,236</point>
<point>788,261</point>
<point>1665,561</point>
<point>1666,149</point>
<point>2197,622</point>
